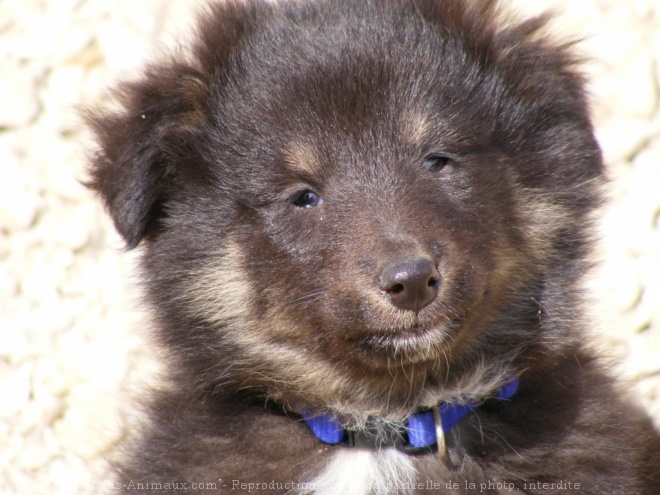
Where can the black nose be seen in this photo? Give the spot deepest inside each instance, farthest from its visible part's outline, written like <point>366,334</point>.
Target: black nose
<point>411,284</point>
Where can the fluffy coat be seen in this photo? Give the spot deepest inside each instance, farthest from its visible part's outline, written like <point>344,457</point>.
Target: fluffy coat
<point>278,170</point>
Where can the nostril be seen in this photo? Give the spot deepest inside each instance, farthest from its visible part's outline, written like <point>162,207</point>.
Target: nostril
<point>395,289</point>
<point>434,283</point>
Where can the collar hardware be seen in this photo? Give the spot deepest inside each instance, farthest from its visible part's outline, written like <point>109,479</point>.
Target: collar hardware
<point>440,437</point>
<point>425,431</point>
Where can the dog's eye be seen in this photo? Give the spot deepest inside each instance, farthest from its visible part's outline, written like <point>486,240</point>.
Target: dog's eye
<point>435,163</point>
<point>306,199</point>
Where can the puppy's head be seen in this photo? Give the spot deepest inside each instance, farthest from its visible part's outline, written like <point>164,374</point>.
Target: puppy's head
<point>358,205</point>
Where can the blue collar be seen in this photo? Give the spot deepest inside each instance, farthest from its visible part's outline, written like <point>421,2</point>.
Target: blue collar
<point>420,433</point>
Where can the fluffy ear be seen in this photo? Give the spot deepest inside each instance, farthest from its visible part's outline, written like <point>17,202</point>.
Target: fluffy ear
<point>140,142</point>
<point>133,164</point>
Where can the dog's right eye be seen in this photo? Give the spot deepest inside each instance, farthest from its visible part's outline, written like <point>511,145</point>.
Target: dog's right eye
<point>306,199</point>
<point>435,163</point>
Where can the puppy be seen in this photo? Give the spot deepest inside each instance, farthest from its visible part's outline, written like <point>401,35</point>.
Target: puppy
<point>363,227</point>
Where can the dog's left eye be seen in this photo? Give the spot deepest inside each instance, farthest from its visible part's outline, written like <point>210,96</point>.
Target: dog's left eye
<point>435,163</point>
<point>306,199</point>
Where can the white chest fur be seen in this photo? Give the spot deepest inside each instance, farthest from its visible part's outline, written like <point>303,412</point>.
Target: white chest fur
<point>364,472</point>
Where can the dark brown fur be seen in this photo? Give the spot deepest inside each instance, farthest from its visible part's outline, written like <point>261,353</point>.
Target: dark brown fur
<point>267,309</point>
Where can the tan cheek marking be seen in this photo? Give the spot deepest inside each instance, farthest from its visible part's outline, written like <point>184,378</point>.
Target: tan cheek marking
<point>219,291</point>
<point>542,219</point>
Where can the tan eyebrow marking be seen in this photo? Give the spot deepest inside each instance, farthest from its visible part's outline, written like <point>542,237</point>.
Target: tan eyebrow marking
<point>416,128</point>
<point>301,158</point>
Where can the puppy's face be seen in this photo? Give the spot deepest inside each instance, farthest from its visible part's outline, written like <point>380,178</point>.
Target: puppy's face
<point>370,234</point>
<point>364,222</point>
<point>351,210</point>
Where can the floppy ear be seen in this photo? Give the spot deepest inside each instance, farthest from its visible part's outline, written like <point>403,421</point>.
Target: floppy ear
<point>134,163</point>
<point>141,141</point>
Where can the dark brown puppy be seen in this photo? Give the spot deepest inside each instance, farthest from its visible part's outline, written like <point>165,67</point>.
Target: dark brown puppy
<point>362,209</point>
